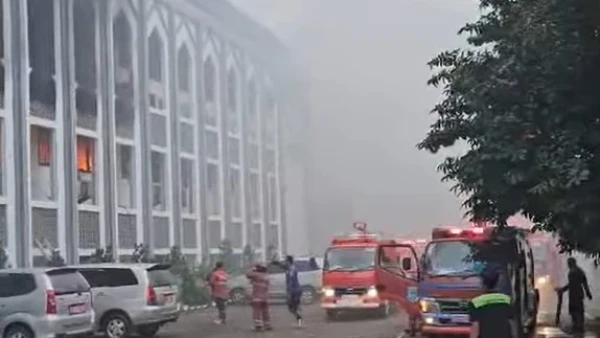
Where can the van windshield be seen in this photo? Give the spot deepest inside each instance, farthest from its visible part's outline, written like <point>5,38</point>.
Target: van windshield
<point>349,259</point>
<point>450,258</point>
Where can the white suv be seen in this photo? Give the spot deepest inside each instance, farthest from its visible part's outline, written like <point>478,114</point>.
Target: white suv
<point>131,298</point>
<point>44,303</point>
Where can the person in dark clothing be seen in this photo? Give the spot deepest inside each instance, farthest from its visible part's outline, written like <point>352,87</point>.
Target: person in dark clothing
<point>577,285</point>
<point>492,313</point>
<point>293,289</point>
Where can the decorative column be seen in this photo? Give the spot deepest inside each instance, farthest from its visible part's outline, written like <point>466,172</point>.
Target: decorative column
<point>244,168</point>
<point>173,124</point>
<point>264,177</point>
<point>66,115</point>
<point>106,85</point>
<point>201,146</point>
<point>16,58</point>
<point>225,162</point>
<point>143,155</point>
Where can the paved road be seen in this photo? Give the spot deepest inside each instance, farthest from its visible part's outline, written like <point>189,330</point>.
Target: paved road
<point>315,326</point>
<point>200,325</point>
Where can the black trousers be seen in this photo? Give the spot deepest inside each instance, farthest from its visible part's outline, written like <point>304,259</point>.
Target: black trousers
<point>221,307</point>
<point>577,312</point>
<point>294,305</point>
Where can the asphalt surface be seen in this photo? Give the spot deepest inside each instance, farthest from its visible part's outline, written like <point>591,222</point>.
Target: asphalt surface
<point>361,325</point>
<point>239,324</point>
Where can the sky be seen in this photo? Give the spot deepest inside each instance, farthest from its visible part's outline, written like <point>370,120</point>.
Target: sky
<point>366,62</point>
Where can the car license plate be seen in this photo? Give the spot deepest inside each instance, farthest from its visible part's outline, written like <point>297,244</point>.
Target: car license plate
<point>349,301</point>
<point>461,319</point>
<point>169,299</point>
<point>76,309</point>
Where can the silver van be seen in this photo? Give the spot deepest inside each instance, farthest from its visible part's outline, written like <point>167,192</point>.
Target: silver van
<point>44,303</point>
<point>130,298</point>
<point>309,276</point>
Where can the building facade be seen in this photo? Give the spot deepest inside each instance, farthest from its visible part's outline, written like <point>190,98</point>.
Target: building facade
<point>140,121</point>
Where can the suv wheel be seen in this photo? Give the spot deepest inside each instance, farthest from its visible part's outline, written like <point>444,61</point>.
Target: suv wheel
<point>116,325</point>
<point>309,295</point>
<point>238,296</point>
<point>18,331</point>
<point>148,331</point>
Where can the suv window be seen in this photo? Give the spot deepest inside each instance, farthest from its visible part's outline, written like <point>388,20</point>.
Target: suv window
<point>161,277</point>
<point>66,281</point>
<point>274,268</point>
<point>16,284</point>
<point>121,277</point>
<point>111,277</point>
<point>306,265</point>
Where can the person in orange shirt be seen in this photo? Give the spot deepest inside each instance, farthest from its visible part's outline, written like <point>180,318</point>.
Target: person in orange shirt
<point>219,291</point>
<point>260,293</point>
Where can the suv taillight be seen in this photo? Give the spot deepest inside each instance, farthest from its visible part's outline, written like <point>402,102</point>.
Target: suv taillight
<point>50,302</point>
<point>150,296</point>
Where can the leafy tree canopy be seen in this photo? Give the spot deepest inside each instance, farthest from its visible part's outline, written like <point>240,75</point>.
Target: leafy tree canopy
<point>525,97</point>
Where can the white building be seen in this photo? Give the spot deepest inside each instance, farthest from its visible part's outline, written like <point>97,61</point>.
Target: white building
<point>142,121</point>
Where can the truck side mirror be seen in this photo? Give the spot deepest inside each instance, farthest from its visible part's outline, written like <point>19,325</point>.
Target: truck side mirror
<point>406,264</point>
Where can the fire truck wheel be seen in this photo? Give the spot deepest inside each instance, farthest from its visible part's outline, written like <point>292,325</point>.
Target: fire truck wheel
<point>331,315</point>
<point>384,310</point>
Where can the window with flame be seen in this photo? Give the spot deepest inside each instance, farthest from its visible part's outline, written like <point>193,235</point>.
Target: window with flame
<point>44,146</point>
<point>85,154</point>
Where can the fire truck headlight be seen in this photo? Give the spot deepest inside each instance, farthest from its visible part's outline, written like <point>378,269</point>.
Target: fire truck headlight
<point>429,305</point>
<point>372,292</point>
<point>542,280</point>
<point>328,292</point>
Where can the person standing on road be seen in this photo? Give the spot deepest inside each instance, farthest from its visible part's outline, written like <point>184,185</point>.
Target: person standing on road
<point>260,293</point>
<point>492,313</point>
<point>292,286</point>
<point>577,285</point>
<point>218,285</point>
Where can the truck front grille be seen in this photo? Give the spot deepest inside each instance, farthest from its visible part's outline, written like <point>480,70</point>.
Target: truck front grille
<point>453,306</point>
<point>350,291</point>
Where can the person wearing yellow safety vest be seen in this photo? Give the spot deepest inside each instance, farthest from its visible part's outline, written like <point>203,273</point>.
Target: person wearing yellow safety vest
<point>492,313</point>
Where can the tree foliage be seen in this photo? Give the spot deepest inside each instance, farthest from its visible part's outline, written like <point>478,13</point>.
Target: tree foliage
<point>524,96</point>
<point>3,257</point>
<point>102,255</point>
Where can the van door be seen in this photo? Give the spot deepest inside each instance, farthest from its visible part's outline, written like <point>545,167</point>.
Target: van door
<point>394,278</point>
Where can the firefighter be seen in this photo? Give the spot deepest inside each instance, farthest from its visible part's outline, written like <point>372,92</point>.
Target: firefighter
<point>260,292</point>
<point>577,285</point>
<point>492,313</point>
<point>218,285</point>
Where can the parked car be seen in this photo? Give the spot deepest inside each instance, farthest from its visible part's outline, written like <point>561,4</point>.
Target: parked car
<point>131,298</point>
<point>44,303</point>
<point>309,275</point>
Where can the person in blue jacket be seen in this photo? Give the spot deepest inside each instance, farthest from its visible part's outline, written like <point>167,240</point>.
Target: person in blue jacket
<point>293,289</point>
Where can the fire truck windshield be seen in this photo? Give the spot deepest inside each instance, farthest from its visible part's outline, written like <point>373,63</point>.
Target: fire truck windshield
<point>449,258</point>
<point>540,255</point>
<point>349,259</point>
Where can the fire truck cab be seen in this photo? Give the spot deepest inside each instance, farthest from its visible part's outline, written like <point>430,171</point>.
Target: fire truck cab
<point>448,278</point>
<point>349,272</point>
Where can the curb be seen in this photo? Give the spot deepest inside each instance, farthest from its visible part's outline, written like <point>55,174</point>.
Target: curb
<point>193,308</point>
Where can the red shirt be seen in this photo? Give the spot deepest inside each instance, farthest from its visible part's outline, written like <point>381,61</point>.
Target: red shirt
<point>218,284</point>
<point>260,285</point>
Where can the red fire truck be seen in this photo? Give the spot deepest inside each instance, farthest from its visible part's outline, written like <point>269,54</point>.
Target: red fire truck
<point>448,278</point>
<point>349,273</point>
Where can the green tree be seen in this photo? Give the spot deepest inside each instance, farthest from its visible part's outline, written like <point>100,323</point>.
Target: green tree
<point>249,255</point>
<point>524,98</point>
<point>3,257</point>
<point>141,254</point>
<point>55,259</point>
<point>102,255</point>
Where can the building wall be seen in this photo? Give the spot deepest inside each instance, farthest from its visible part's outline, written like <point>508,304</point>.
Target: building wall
<point>140,122</point>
